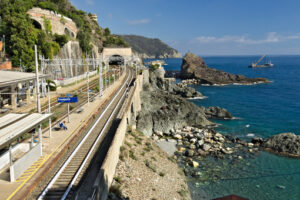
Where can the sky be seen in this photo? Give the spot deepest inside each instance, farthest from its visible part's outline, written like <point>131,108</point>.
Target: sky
<point>206,27</point>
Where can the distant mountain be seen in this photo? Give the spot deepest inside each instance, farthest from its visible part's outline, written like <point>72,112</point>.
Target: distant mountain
<point>150,48</point>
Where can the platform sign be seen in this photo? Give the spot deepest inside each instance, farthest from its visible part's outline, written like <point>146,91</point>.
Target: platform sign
<point>67,99</point>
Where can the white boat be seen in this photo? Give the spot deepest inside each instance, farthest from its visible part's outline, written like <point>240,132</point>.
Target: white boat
<point>266,64</point>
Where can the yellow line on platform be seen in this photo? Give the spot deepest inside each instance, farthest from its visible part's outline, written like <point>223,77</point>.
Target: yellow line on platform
<point>44,160</point>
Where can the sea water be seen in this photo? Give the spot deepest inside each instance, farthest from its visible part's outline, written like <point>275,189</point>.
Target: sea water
<point>261,110</point>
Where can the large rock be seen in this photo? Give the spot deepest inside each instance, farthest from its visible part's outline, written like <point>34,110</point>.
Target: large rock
<point>166,112</point>
<point>217,113</point>
<point>284,143</point>
<point>157,81</point>
<point>193,67</point>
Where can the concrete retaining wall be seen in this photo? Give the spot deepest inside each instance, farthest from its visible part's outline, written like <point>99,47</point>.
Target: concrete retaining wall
<point>4,159</point>
<point>22,164</point>
<point>73,80</point>
<point>107,171</point>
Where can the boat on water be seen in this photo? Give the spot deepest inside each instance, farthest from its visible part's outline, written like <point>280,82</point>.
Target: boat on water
<point>266,64</point>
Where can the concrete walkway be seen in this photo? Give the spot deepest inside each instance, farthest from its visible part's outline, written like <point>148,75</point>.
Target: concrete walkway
<point>52,146</point>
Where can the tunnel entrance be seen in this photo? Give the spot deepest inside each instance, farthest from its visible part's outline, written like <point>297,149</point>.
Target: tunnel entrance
<point>37,24</point>
<point>116,60</point>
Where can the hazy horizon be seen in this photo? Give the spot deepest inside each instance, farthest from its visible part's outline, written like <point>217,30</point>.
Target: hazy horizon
<point>214,27</point>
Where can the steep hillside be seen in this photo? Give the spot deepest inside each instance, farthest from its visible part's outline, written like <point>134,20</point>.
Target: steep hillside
<point>22,32</point>
<point>151,48</point>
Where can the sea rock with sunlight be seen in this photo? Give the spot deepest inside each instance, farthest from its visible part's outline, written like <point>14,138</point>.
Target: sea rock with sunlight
<point>194,67</point>
<point>284,143</point>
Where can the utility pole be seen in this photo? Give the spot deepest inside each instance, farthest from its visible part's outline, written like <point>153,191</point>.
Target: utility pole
<point>37,80</point>
<point>108,75</point>
<point>49,111</point>
<point>88,93</point>
<point>100,79</point>
<point>38,95</point>
<point>21,69</point>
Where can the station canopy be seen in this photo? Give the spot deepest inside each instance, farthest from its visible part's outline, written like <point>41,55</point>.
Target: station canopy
<point>11,77</point>
<point>13,126</point>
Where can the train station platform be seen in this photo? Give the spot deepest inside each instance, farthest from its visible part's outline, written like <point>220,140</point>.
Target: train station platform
<point>53,146</point>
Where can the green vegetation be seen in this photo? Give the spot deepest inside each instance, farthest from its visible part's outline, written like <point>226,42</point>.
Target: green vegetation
<point>182,193</point>
<point>128,144</point>
<point>47,25</point>
<point>122,148</point>
<point>116,189</point>
<point>162,174</point>
<point>150,165</point>
<point>154,67</point>
<point>148,46</point>
<point>21,33</point>
<point>61,39</point>
<point>131,155</point>
<point>118,179</point>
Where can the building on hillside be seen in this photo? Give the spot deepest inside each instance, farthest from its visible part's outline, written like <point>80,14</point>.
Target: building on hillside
<point>60,24</point>
<point>94,17</point>
<point>5,63</point>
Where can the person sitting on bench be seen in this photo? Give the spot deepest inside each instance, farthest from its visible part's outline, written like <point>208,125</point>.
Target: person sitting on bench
<point>62,125</point>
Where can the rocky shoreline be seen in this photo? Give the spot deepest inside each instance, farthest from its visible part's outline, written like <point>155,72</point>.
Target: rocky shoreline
<point>187,82</point>
<point>184,130</point>
<point>165,106</point>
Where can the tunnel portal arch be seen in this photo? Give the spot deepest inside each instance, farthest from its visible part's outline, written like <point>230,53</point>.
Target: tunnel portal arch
<point>116,56</point>
<point>116,60</point>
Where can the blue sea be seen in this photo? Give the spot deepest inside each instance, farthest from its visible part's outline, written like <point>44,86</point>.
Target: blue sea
<point>263,110</point>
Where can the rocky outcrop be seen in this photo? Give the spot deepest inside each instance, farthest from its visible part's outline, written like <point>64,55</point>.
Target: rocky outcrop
<point>165,109</point>
<point>194,67</point>
<point>166,112</point>
<point>217,113</point>
<point>284,143</point>
<point>158,82</point>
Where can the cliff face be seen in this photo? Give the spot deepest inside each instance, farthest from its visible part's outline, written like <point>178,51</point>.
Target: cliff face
<point>150,48</point>
<point>70,50</point>
<point>193,67</point>
<point>164,109</point>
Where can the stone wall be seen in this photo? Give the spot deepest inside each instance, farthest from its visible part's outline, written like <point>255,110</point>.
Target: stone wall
<point>107,52</point>
<point>60,24</point>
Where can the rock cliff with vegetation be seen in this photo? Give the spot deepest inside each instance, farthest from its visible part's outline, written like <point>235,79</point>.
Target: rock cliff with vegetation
<point>165,107</point>
<point>22,33</point>
<point>194,67</point>
<point>151,48</point>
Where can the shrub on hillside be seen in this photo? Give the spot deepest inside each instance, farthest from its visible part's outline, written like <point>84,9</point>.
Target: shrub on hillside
<point>154,67</point>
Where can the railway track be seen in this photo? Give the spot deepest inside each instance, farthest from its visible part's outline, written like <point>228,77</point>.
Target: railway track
<point>93,84</point>
<point>63,184</point>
